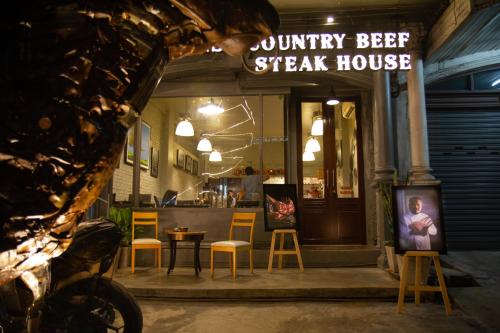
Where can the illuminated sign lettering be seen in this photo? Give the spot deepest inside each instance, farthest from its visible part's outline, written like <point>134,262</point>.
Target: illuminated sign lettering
<point>336,51</point>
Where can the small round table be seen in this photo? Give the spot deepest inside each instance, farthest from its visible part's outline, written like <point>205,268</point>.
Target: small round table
<point>185,236</point>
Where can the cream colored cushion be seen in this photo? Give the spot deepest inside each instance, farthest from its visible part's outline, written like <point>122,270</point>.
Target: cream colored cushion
<point>235,243</point>
<point>142,241</point>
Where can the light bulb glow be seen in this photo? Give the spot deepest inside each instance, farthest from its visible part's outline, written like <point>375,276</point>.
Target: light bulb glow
<point>210,109</point>
<point>215,156</point>
<point>330,19</point>
<point>184,128</point>
<point>204,145</point>
<point>332,101</point>
<point>308,156</point>
<point>317,127</point>
<point>312,145</point>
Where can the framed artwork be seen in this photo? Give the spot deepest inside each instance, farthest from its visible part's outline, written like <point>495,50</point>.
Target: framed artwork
<point>418,218</point>
<point>195,168</point>
<point>189,164</point>
<point>154,162</point>
<point>145,146</point>
<point>280,207</point>
<point>180,158</point>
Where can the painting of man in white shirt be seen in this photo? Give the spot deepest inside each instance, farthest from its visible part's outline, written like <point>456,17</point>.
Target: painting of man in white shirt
<point>416,227</point>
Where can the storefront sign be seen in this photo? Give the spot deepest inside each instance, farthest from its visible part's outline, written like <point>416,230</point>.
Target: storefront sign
<point>313,52</point>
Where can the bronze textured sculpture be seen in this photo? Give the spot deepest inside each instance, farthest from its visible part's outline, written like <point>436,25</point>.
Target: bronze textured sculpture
<point>74,76</point>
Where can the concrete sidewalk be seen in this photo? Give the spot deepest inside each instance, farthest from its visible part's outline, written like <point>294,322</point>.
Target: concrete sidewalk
<point>313,283</point>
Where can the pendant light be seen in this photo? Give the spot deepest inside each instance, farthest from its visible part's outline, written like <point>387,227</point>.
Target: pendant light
<point>317,126</point>
<point>215,156</point>
<point>211,108</point>
<point>204,145</point>
<point>184,128</point>
<point>312,145</point>
<point>308,156</point>
<point>332,99</point>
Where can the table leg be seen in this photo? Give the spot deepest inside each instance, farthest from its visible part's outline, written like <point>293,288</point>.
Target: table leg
<point>197,266</point>
<point>173,247</point>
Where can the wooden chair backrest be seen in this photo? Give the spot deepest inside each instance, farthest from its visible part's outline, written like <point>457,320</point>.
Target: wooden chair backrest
<point>242,220</point>
<point>145,218</point>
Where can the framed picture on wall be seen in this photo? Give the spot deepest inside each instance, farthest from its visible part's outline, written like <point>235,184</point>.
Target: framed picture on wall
<point>154,162</point>
<point>280,206</point>
<point>195,168</point>
<point>418,218</point>
<point>189,164</point>
<point>180,158</point>
<point>145,146</point>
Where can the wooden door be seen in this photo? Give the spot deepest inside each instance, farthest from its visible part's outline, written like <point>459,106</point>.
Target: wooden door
<point>330,185</point>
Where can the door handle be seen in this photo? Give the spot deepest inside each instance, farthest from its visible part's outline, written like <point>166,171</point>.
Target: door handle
<point>334,187</point>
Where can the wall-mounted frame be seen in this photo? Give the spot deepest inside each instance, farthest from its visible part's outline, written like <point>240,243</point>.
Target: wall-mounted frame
<point>280,207</point>
<point>188,166</point>
<point>195,168</point>
<point>418,218</point>
<point>154,162</point>
<point>180,161</point>
<point>145,146</point>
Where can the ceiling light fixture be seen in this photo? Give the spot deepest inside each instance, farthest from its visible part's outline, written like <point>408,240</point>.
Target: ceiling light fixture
<point>204,145</point>
<point>184,128</point>
<point>332,99</point>
<point>308,156</point>
<point>317,126</point>
<point>330,19</point>
<point>312,145</point>
<point>215,156</point>
<point>211,108</point>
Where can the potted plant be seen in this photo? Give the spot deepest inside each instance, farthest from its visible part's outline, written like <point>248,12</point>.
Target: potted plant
<point>122,216</point>
<point>385,190</point>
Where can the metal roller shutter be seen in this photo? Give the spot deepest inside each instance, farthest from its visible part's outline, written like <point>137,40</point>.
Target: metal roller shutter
<point>464,146</point>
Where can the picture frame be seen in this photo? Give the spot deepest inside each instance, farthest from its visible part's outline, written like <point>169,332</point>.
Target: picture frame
<point>180,161</point>
<point>145,146</point>
<point>418,219</point>
<point>195,168</point>
<point>154,162</point>
<point>280,207</point>
<point>188,166</point>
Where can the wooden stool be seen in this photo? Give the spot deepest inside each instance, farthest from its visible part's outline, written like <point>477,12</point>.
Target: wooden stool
<point>418,277</point>
<point>281,251</point>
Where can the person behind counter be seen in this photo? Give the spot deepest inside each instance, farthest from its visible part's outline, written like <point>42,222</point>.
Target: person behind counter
<point>251,186</point>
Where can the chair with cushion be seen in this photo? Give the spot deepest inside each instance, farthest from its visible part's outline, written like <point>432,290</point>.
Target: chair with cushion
<point>232,246</point>
<point>145,219</point>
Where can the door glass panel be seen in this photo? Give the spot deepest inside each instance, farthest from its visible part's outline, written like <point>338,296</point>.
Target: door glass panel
<point>346,150</point>
<point>312,159</point>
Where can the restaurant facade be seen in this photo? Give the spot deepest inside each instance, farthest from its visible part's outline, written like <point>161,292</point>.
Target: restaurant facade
<point>417,103</point>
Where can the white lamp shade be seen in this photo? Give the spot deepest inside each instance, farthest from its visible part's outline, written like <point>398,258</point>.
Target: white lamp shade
<point>308,156</point>
<point>317,127</point>
<point>204,145</point>
<point>184,128</point>
<point>215,156</point>
<point>312,145</point>
<point>332,101</point>
<point>210,109</point>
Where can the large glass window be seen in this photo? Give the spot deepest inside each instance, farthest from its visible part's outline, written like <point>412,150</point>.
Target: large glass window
<point>211,142</point>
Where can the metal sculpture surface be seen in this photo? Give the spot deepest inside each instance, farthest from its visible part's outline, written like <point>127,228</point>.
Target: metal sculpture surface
<point>74,75</point>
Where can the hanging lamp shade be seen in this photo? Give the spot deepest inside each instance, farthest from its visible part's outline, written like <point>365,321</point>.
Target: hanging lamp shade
<point>312,145</point>
<point>211,108</point>
<point>308,156</point>
<point>332,99</point>
<point>215,156</point>
<point>317,126</point>
<point>184,128</point>
<point>204,145</point>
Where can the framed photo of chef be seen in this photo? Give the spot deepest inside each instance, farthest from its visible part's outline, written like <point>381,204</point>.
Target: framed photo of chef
<point>418,218</point>
<point>280,207</point>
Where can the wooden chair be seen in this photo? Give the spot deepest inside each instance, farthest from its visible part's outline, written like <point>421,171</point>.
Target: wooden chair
<point>234,246</point>
<point>145,219</point>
